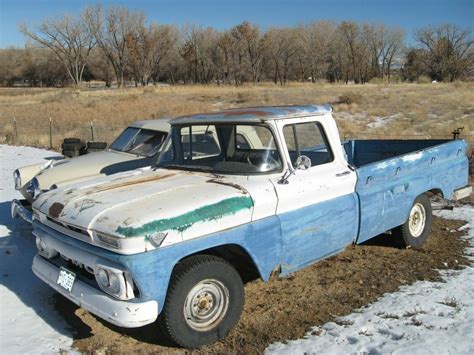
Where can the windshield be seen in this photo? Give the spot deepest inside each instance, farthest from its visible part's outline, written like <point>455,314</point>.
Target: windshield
<point>144,142</point>
<point>221,148</point>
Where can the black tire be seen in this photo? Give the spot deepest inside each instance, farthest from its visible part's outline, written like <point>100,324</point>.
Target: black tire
<point>410,233</point>
<point>68,153</point>
<point>72,146</point>
<point>185,296</point>
<point>96,145</point>
<point>71,140</point>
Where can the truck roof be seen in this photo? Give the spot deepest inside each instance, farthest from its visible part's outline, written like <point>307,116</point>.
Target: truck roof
<point>252,114</point>
<point>159,124</point>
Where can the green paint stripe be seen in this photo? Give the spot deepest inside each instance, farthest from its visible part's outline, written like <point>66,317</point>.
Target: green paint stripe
<point>183,222</point>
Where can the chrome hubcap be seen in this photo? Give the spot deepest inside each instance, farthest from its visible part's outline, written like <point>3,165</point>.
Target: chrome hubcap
<point>206,305</point>
<point>417,220</point>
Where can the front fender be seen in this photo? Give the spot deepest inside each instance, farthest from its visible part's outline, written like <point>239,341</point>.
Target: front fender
<point>27,173</point>
<point>152,270</point>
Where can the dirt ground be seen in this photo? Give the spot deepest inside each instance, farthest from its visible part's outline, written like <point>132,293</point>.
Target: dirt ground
<point>287,308</point>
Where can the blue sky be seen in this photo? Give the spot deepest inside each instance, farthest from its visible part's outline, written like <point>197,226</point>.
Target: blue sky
<point>408,14</point>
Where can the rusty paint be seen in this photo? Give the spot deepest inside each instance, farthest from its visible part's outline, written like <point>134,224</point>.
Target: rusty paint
<point>257,113</point>
<point>231,113</point>
<point>129,183</point>
<point>55,209</point>
<point>230,184</point>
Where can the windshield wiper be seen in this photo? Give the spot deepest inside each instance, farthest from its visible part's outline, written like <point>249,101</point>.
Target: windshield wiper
<point>186,167</point>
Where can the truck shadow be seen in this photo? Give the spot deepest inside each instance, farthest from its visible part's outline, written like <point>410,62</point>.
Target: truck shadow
<point>150,334</point>
<point>383,240</point>
<point>17,249</point>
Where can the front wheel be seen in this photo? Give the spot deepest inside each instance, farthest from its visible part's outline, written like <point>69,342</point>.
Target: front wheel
<point>416,229</point>
<point>204,301</point>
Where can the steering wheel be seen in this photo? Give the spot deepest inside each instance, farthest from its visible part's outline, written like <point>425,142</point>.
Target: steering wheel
<point>260,162</point>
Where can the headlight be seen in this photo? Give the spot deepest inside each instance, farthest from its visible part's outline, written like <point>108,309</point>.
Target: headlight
<point>44,250</point>
<point>108,240</point>
<point>102,278</point>
<point>17,179</point>
<point>33,188</point>
<point>115,282</point>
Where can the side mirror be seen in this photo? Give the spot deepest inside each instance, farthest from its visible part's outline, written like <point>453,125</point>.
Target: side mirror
<point>303,163</point>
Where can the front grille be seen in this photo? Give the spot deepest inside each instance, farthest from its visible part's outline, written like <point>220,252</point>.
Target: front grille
<point>68,226</point>
<point>76,268</point>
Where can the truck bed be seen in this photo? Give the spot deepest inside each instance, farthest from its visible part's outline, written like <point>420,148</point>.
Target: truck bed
<point>364,152</point>
<point>392,173</point>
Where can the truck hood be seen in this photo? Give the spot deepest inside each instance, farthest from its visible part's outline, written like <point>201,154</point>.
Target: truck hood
<point>84,165</point>
<point>179,205</point>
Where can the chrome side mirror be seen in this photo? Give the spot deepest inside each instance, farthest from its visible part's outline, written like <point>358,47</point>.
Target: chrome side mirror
<point>303,163</point>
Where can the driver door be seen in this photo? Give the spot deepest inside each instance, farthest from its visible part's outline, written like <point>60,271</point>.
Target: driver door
<point>317,205</point>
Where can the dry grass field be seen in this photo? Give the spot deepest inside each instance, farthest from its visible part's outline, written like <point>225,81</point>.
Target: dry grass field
<point>366,111</point>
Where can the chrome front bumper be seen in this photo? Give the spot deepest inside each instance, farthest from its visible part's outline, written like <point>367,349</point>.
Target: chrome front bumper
<point>127,314</point>
<point>121,313</point>
<point>18,209</point>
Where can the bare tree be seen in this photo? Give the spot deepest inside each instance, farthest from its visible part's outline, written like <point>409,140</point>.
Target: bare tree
<point>147,47</point>
<point>253,45</point>
<point>69,39</point>
<point>282,47</point>
<point>318,43</point>
<point>111,29</point>
<point>447,51</point>
<point>394,45</point>
<point>100,67</point>
<point>12,64</point>
<point>357,50</point>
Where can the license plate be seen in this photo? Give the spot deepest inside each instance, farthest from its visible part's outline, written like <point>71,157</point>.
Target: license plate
<point>66,278</point>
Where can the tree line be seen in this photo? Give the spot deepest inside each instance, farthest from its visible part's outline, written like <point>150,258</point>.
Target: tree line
<point>116,44</point>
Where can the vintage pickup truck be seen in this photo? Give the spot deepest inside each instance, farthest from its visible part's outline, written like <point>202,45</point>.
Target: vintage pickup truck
<point>234,195</point>
<point>137,146</point>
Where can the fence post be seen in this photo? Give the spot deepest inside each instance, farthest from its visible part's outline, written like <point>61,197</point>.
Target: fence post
<point>92,131</point>
<point>15,141</point>
<point>50,134</point>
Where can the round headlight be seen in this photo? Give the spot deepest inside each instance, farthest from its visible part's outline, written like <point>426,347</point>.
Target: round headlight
<point>33,188</point>
<point>103,278</point>
<point>17,179</point>
<point>114,283</point>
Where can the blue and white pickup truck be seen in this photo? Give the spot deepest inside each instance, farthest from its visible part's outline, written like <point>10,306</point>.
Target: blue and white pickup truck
<point>234,194</point>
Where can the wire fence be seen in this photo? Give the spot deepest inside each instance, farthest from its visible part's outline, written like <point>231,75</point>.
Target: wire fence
<point>51,134</point>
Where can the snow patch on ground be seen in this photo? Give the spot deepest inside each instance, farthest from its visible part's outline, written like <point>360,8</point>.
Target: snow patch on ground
<point>422,318</point>
<point>380,122</point>
<point>29,323</point>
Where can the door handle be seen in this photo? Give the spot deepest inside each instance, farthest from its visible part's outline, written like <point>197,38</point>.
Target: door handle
<point>343,173</point>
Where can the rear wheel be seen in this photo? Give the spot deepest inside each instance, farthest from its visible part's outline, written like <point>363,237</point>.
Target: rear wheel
<point>204,301</point>
<point>416,229</point>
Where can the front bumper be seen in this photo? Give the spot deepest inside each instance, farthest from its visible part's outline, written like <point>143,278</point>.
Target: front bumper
<point>462,192</point>
<point>22,208</point>
<point>127,314</point>
<point>121,313</point>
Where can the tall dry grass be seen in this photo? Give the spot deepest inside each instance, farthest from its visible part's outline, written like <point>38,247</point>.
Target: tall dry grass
<point>369,110</point>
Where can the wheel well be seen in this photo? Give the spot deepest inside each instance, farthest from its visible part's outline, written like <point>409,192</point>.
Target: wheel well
<point>235,255</point>
<point>436,192</point>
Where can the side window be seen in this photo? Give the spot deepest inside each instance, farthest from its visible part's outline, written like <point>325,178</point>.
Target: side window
<point>307,139</point>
